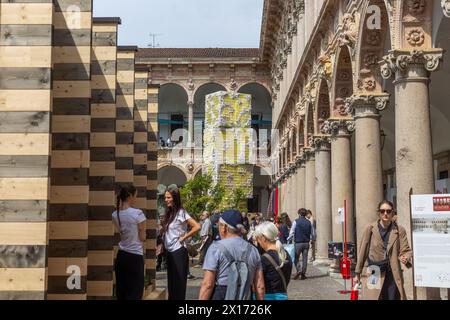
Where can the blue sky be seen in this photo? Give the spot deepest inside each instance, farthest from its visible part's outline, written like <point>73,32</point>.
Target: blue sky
<point>186,23</point>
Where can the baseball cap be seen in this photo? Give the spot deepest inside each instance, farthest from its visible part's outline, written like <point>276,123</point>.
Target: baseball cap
<point>232,217</point>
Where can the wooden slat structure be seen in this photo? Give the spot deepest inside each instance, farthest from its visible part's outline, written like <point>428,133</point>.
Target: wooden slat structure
<point>152,183</point>
<point>71,126</point>
<point>76,121</point>
<point>102,162</point>
<point>25,105</point>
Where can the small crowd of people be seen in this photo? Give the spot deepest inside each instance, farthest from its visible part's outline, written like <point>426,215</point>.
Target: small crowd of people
<point>242,259</point>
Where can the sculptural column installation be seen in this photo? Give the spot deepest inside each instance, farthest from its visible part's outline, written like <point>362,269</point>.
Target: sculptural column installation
<point>413,144</point>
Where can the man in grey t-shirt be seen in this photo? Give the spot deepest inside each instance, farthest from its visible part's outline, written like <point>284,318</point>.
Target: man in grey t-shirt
<point>216,265</point>
<point>206,237</point>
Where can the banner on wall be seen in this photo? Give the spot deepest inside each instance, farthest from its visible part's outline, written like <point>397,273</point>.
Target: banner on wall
<point>431,240</point>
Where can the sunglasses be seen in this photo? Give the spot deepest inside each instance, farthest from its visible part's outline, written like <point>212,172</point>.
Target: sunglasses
<point>388,211</point>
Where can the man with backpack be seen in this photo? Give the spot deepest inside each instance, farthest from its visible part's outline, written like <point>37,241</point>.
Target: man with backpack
<point>302,231</point>
<point>232,265</point>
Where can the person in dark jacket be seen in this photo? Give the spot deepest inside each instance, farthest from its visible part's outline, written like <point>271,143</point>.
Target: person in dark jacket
<point>302,232</point>
<point>283,227</point>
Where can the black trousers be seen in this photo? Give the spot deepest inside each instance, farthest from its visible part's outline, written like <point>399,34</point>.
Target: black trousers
<point>389,290</point>
<point>177,272</point>
<point>129,270</point>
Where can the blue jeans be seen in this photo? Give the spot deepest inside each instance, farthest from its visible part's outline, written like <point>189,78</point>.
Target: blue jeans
<point>301,249</point>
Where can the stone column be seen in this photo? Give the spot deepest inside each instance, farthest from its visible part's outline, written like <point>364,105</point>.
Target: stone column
<point>341,175</point>
<point>368,164</point>
<point>300,188</point>
<point>191,123</point>
<point>310,180</point>
<point>322,146</point>
<point>414,154</point>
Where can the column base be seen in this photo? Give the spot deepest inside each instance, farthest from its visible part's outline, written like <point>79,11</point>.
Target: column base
<point>322,262</point>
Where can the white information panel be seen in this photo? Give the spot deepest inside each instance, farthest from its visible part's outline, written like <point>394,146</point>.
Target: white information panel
<point>431,240</point>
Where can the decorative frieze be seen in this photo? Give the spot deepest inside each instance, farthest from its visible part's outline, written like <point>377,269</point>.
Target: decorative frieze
<point>446,7</point>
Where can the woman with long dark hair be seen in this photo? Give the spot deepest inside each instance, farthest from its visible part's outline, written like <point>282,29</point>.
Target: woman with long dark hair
<point>174,232</point>
<point>384,245</point>
<point>129,266</point>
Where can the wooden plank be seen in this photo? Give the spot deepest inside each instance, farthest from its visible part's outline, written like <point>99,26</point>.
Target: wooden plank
<point>103,125</point>
<point>124,138</point>
<point>103,81</point>
<point>103,154</point>
<point>72,20</point>
<point>124,64</point>
<point>103,38</point>
<point>124,163</point>
<point>22,279</point>
<point>101,243</point>
<point>101,168</point>
<point>58,285</point>
<point>71,124</point>
<point>124,125</point>
<point>105,183</point>
<point>65,5</point>
<point>126,55</point>
<point>101,198</point>
<point>111,28</point>
<point>103,67</point>
<point>103,139</point>
<point>72,89</point>
<point>69,176</point>
<point>73,230</point>
<point>32,57</point>
<point>67,248</point>
<point>103,110</point>
<point>71,106</point>
<point>22,256</point>
<point>71,71</point>
<point>125,76</point>
<point>68,212</point>
<point>125,101</point>
<point>23,188</point>
<point>103,95</point>
<point>64,297</point>
<point>101,228</point>
<point>23,233</point>
<point>104,53</point>
<point>70,141</point>
<point>140,159</point>
<point>81,55</point>
<point>25,78</point>
<point>68,194</point>
<point>72,37</point>
<point>70,159</point>
<point>30,13</point>
<point>22,295</point>
<point>100,288</point>
<point>25,100</point>
<point>100,258</point>
<point>124,89</point>
<point>58,266</point>
<point>124,176</point>
<point>124,151</point>
<point>124,113</point>
<point>24,122</point>
<point>24,166</point>
<point>23,211</point>
<point>25,35</point>
<point>100,273</point>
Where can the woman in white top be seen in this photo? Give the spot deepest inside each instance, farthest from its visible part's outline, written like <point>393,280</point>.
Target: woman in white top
<point>174,232</point>
<point>129,266</point>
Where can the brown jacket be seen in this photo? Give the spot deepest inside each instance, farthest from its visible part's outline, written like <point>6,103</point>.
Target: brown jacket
<point>371,245</point>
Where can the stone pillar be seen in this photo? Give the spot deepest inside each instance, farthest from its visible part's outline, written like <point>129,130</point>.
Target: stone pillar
<point>414,154</point>
<point>310,181</point>
<point>299,188</point>
<point>368,164</point>
<point>341,175</point>
<point>323,198</point>
<point>191,123</point>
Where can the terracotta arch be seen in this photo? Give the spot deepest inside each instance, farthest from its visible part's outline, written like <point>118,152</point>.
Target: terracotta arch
<point>178,84</point>
<point>257,83</point>
<point>342,82</point>
<point>322,108</point>
<point>194,94</point>
<point>371,49</point>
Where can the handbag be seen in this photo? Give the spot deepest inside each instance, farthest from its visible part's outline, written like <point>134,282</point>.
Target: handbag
<point>290,248</point>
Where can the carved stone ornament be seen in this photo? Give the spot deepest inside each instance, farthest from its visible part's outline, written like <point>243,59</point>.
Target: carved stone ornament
<point>416,7</point>
<point>446,7</point>
<point>233,84</point>
<point>338,126</point>
<point>349,31</point>
<point>401,61</point>
<point>322,142</point>
<point>366,104</point>
<point>325,67</point>
<point>191,85</point>
<point>415,37</point>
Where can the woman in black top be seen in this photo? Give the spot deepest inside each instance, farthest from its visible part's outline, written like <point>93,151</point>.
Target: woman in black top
<point>276,262</point>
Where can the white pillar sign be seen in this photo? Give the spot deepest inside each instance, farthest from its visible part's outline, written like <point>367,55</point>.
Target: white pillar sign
<point>431,240</point>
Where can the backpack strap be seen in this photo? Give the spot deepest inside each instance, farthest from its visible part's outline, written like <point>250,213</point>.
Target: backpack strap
<point>278,268</point>
<point>225,252</point>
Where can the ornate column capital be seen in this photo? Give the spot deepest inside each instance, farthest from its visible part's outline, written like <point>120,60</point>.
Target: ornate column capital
<point>190,103</point>
<point>310,154</point>
<point>404,63</point>
<point>446,7</point>
<point>322,143</point>
<point>338,127</point>
<point>362,106</point>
